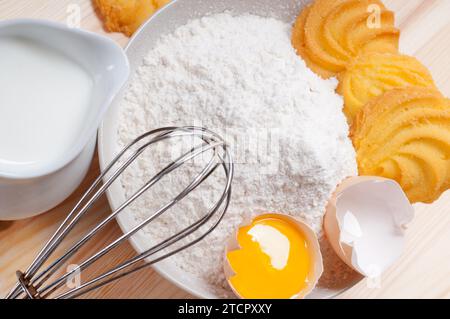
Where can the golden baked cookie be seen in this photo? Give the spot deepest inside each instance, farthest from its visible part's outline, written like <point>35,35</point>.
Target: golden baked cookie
<point>161,3</point>
<point>298,41</point>
<point>329,33</point>
<point>126,16</point>
<point>372,74</point>
<point>405,135</point>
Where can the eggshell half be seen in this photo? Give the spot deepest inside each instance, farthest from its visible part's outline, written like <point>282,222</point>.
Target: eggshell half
<point>365,223</point>
<point>313,247</point>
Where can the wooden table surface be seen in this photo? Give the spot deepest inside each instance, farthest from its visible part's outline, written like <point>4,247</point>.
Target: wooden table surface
<point>422,272</point>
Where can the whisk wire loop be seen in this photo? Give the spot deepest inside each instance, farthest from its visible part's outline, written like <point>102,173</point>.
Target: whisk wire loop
<point>32,283</point>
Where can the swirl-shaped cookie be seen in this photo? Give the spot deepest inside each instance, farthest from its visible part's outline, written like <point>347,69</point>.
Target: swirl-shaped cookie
<point>405,135</point>
<point>126,16</point>
<point>329,33</point>
<point>371,75</point>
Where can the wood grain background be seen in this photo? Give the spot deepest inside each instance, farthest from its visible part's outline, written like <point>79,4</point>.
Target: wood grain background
<point>423,271</point>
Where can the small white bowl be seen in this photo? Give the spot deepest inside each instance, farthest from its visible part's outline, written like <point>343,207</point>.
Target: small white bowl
<point>38,187</point>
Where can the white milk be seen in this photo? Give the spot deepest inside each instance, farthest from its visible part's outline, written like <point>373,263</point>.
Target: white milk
<point>44,100</point>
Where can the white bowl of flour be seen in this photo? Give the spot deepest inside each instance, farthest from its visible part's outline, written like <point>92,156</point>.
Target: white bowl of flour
<point>229,65</point>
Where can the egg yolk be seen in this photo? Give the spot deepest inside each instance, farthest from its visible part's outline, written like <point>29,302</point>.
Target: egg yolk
<point>273,260</point>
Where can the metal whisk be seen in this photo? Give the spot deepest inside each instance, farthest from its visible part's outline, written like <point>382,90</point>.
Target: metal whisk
<point>37,282</point>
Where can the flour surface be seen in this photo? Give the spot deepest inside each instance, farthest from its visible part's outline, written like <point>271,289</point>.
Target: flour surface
<point>240,77</point>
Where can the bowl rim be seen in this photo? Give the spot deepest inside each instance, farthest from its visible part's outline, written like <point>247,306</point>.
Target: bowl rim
<point>33,170</point>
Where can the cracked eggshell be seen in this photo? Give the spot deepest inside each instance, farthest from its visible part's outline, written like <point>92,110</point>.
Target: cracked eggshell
<point>365,223</point>
<point>316,268</point>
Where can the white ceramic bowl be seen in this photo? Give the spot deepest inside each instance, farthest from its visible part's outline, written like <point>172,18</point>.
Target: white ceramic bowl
<point>165,21</point>
<point>36,188</point>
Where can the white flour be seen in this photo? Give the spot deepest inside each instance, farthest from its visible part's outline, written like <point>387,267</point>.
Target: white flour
<point>240,77</point>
